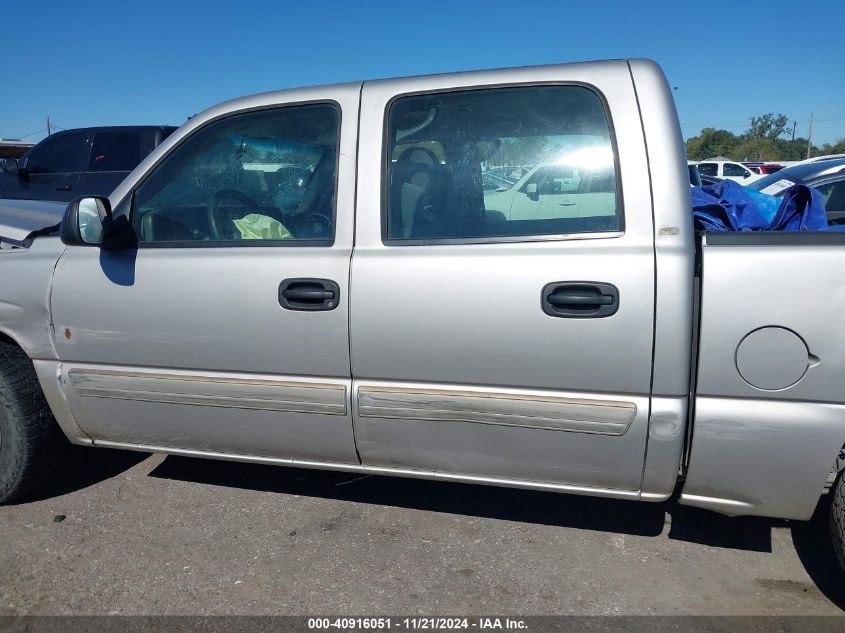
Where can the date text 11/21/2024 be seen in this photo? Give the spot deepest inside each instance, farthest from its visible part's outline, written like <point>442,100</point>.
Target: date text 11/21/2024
<point>417,623</point>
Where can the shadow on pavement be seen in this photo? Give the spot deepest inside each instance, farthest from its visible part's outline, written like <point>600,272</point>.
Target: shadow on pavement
<point>525,506</point>
<point>84,467</point>
<point>693,525</point>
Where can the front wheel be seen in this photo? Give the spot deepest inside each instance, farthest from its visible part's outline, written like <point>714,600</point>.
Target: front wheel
<point>31,443</point>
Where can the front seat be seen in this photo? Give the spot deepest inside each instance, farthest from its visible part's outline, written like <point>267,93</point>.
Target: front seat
<point>414,181</point>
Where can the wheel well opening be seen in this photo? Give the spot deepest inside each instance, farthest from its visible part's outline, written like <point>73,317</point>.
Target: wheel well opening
<point>8,340</point>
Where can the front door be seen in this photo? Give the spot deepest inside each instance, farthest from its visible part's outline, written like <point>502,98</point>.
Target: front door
<point>511,347</point>
<point>226,330</point>
<point>52,169</point>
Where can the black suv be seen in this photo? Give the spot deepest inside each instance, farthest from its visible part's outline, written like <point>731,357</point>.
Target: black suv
<point>80,162</point>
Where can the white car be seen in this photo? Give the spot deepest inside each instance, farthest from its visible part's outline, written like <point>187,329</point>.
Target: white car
<point>557,190</point>
<point>727,169</point>
<point>814,159</point>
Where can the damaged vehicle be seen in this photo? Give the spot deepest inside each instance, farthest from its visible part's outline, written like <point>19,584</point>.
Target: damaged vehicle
<point>278,283</point>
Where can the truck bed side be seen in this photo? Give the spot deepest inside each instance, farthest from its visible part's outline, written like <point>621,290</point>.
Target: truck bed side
<point>770,405</point>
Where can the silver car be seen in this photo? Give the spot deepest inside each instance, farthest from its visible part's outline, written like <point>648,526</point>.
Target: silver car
<point>378,313</point>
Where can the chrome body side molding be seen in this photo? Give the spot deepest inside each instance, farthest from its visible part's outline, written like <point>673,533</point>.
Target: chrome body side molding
<point>278,416</point>
<point>211,391</point>
<point>607,417</point>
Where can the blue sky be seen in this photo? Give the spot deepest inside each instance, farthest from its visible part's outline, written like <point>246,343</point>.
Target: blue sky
<point>108,63</point>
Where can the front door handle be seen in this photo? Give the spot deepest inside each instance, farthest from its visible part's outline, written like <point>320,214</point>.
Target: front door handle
<point>579,299</point>
<point>64,188</point>
<point>310,295</point>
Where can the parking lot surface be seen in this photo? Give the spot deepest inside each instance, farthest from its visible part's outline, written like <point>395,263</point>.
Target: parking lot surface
<point>128,533</point>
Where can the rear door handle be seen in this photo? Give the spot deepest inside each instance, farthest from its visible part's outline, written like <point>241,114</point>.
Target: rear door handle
<point>308,294</point>
<point>64,188</point>
<point>579,299</point>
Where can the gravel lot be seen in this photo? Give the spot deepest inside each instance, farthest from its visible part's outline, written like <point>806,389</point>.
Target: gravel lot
<point>131,533</point>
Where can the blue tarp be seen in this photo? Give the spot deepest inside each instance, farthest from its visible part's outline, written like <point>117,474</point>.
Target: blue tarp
<point>728,206</point>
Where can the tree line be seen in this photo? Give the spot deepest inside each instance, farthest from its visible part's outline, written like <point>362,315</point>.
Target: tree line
<point>764,140</point>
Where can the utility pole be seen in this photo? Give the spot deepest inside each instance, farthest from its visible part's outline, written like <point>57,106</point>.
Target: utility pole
<point>794,123</point>
<point>810,136</point>
<point>48,125</point>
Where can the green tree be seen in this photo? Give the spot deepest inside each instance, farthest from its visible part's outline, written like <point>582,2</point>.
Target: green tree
<point>833,148</point>
<point>763,141</point>
<point>768,125</point>
<point>711,142</point>
<point>793,150</point>
<point>756,149</point>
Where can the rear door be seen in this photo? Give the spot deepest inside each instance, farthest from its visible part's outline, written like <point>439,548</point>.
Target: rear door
<point>226,330</point>
<point>514,349</point>
<point>112,155</point>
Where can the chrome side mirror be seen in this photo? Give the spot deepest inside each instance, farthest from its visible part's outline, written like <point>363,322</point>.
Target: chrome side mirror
<point>88,221</point>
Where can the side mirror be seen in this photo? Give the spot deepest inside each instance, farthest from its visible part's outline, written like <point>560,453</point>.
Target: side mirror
<point>531,191</point>
<point>88,221</point>
<point>13,168</point>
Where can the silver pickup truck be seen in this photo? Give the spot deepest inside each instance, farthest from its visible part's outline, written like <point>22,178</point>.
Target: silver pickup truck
<point>487,277</point>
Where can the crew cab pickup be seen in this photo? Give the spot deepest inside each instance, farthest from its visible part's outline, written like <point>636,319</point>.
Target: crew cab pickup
<point>314,277</point>
<point>79,162</point>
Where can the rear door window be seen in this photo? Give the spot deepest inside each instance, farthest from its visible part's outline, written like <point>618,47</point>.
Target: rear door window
<point>115,151</point>
<point>499,163</point>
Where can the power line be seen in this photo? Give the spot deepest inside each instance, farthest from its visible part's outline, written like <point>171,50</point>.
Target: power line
<point>32,133</point>
<point>53,127</point>
<point>732,126</point>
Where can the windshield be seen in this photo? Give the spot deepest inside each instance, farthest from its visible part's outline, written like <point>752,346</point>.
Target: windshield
<point>791,176</point>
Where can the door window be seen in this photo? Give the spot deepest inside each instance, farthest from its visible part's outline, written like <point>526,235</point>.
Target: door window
<point>503,155</point>
<point>554,179</point>
<point>250,178</point>
<point>115,151</point>
<point>708,169</point>
<point>58,155</point>
<point>833,194</point>
<point>732,169</point>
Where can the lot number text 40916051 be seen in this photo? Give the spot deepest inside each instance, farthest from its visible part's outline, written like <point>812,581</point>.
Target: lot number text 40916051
<point>419,623</point>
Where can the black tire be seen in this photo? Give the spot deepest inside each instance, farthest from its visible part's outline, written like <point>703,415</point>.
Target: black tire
<point>31,442</point>
<point>837,513</point>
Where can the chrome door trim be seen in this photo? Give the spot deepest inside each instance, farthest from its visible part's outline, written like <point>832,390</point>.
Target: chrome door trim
<point>265,394</point>
<point>535,411</point>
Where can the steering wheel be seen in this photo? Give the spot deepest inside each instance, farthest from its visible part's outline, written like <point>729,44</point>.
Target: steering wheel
<point>221,228</point>
<point>310,221</point>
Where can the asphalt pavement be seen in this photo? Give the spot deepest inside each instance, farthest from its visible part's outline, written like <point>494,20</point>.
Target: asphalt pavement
<point>129,533</point>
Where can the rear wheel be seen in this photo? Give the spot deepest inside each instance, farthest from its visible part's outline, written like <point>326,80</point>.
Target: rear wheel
<point>31,443</point>
<point>837,514</point>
